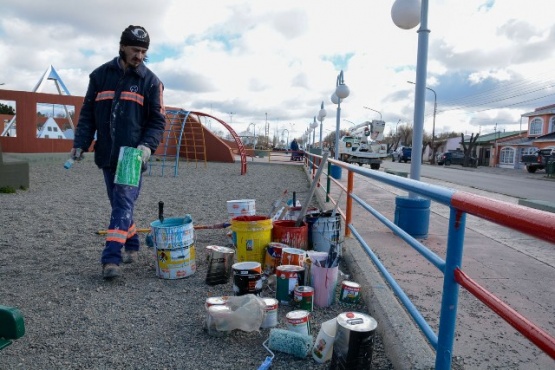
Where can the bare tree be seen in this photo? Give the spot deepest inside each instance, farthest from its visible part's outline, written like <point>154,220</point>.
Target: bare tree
<point>468,150</point>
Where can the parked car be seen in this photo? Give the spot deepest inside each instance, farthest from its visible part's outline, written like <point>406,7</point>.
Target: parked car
<point>539,160</point>
<point>455,157</point>
<point>402,154</point>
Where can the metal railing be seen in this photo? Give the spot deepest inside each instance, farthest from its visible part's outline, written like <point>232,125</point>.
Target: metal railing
<point>460,204</point>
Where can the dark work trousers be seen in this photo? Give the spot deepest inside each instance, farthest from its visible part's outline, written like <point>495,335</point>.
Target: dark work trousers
<point>122,231</point>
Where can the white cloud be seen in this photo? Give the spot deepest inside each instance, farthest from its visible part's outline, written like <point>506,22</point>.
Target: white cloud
<point>489,61</point>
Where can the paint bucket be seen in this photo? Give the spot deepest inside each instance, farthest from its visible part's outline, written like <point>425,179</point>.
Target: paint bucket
<point>241,207</point>
<point>288,277</point>
<point>350,292</point>
<point>272,258</point>
<point>176,263</point>
<point>128,170</point>
<point>285,231</point>
<point>270,314</point>
<point>215,301</point>
<point>413,216</point>
<point>324,230</point>
<point>220,260</point>
<point>173,232</point>
<point>293,256</point>
<point>354,341</point>
<point>324,282</point>
<point>298,321</point>
<point>323,346</point>
<point>251,235</point>
<point>247,278</point>
<point>304,298</point>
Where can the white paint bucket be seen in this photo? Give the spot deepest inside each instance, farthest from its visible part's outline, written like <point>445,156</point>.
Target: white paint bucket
<point>323,346</point>
<point>241,207</point>
<point>176,263</point>
<point>173,233</point>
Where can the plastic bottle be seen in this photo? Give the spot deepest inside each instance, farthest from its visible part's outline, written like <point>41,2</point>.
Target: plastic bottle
<point>68,164</point>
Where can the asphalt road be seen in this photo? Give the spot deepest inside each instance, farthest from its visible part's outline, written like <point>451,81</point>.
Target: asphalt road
<point>510,182</point>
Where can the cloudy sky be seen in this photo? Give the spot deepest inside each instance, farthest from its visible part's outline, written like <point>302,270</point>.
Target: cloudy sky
<point>262,62</point>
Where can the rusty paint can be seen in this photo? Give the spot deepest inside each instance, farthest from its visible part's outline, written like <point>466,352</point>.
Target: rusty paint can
<point>304,298</point>
<point>299,321</point>
<point>272,258</point>
<point>350,292</point>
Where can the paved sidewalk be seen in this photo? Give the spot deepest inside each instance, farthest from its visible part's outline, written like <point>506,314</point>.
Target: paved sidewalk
<point>517,268</point>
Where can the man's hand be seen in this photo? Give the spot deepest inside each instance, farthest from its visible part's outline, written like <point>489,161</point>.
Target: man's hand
<point>145,153</point>
<point>76,154</point>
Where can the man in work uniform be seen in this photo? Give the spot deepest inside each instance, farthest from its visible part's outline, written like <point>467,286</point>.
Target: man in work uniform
<point>123,106</point>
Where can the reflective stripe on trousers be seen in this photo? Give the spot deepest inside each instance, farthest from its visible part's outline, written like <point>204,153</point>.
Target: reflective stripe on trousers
<point>122,230</point>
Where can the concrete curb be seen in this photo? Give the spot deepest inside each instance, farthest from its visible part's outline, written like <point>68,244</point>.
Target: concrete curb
<point>405,345</point>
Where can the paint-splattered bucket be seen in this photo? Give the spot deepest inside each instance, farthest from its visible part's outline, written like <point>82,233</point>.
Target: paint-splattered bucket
<point>173,232</point>
<point>272,258</point>
<point>286,231</point>
<point>293,256</point>
<point>247,278</point>
<point>176,263</point>
<point>354,341</point>
<point>220,260</point>
<point>241,207</point>
<point>251,235</point>
<point>288,277</point>
<point>325,230</point>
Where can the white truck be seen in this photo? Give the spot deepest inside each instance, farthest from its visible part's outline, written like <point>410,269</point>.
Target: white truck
<point>362,144</point>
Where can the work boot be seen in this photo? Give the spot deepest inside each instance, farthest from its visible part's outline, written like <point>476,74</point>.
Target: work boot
<point>130,256</point>
<point>110,271</point>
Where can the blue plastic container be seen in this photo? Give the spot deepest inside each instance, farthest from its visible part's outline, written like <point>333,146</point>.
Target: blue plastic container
<point>335,172</point>
<point>413,216</point>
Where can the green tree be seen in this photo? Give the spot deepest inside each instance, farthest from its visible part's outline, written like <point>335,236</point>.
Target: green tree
<point>6,109</point>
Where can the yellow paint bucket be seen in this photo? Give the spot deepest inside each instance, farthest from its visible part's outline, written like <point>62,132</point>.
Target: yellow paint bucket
<point>176,263</point>
<point>251,235</point>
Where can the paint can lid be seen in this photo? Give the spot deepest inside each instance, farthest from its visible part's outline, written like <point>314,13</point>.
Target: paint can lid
<point>356,321</point>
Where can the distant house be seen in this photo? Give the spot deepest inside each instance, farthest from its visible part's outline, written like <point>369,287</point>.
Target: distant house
<point>50,130</point>
<point>540,134</point>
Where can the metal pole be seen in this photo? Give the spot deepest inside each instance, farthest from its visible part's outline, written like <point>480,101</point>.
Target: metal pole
<point>420,92</point>
<point>374,111</point>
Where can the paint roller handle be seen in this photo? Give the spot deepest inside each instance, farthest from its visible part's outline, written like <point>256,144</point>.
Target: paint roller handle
<point>266,364</point>
<point>161,211</point>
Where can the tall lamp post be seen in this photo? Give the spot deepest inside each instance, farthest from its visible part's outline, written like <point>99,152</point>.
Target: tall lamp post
<point>407,14</point>
<point>313,127</point>
<point>374,111</point>
<point>321,115</point>
<point>434,119</point>
<point>287,140</point>
<point>341,92</point>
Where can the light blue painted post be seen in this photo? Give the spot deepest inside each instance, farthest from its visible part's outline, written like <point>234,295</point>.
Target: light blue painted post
<point>449,302</point>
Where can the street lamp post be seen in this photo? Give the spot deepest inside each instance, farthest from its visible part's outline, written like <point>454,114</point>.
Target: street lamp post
<point>374,111</point>
<point>313,127</point>
<point>341,92</point>
<point>254,134</point>
<point>434,119</point>
<point>407,14</point>
<point>282,133</point>
<point>321,115</point>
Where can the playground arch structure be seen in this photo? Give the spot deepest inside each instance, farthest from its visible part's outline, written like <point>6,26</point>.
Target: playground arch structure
<point>184,138</point>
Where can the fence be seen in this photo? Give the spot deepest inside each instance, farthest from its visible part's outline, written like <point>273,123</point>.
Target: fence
<point>539,225</point>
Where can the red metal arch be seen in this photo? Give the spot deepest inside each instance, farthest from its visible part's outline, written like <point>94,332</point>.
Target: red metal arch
<point>237,139</point>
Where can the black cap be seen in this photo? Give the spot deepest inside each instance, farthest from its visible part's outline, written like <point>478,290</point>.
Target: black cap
<point>135,36</point>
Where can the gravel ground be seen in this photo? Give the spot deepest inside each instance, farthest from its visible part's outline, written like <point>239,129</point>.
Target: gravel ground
<point>50,270</point>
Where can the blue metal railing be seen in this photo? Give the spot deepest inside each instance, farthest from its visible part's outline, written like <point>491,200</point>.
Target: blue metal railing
<point>459,203</point>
